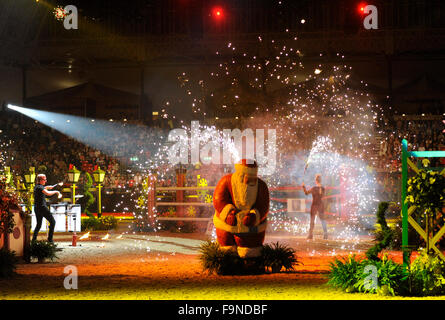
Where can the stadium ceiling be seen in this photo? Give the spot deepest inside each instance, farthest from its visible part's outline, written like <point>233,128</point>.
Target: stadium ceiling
<point>157,32</point>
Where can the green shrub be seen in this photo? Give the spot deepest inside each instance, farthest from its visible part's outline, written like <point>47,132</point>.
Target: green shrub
<point>414,239</point>
<point>392,278</point>
<point>425,191</point>
<point>276,256</point>
<point>387,234</point>
<point>89,224</point>
<point>88,198</point>
<point>219,261</point>
<point>8,262</point>
<point>227,262</point>
<point>345,273</point>
<point>103,223</point>
<point>43,250</point>
<point>107,223</point>
<point>427,275</point>
<point>350,274</point>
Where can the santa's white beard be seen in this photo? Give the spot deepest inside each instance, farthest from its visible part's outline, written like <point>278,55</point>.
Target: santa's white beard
<point>244,195</point>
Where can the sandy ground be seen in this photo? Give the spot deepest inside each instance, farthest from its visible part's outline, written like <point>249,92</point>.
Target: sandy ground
<point>166,266</point>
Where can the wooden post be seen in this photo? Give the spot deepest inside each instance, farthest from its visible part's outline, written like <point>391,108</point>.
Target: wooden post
<point>27,238</point>
<point>151,198</point>
<point>99,200</point>
<point>180,182</point>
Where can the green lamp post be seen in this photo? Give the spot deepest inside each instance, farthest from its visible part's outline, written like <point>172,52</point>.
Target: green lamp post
<point>7,174</point>
<point>30,178</point>
<point>99,177</point>
<point>73,178</point>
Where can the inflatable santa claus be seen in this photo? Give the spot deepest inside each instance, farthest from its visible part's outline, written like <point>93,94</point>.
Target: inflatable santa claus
<point>241,202</point>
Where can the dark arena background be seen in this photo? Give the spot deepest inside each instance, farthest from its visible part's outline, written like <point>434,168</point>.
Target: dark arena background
<point>140,107</point>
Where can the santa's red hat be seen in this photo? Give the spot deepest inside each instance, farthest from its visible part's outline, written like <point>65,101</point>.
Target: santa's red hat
<point>247,166</point>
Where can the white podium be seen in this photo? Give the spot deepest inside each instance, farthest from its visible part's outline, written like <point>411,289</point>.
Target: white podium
<point>67,218</point>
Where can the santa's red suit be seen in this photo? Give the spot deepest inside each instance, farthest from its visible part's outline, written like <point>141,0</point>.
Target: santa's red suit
<point>241,202</point>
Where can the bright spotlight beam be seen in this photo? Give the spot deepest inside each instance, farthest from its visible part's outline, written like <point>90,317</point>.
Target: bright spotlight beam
<point>100,134</point>
<point>18,109</point>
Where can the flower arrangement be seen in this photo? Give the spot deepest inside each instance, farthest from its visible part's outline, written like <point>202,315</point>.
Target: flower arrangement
<point>273,258</point>
<point>426,190</point>
<point>9,202</point>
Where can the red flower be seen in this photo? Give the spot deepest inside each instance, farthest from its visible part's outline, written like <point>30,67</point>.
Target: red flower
<point>71,166</point>
<point>95,167</point>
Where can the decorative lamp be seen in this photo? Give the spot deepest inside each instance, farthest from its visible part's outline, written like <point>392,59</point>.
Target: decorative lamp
<point>99,175</point>
<point>73,174</point>
<point>31,176</point>
<point>8,175</point>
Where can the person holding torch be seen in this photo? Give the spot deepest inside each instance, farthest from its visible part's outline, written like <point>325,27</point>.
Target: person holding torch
<point>317,206</point>
<point>40,208</point>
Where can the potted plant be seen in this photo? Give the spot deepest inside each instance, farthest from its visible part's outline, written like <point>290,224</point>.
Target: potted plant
<point>276,256</point>
<point>8,262</point>
<point>43,250</point>
<point>219,261</point>
<point>426,192</point>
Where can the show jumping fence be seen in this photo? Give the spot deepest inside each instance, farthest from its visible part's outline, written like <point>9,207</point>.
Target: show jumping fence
<point>430,238</point>
<point>180,202</point>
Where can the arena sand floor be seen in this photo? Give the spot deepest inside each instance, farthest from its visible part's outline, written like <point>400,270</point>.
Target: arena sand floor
<point>165,266</point>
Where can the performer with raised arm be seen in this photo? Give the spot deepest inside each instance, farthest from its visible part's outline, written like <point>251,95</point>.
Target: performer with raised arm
<point>40,208</point>
<point>317,206</point>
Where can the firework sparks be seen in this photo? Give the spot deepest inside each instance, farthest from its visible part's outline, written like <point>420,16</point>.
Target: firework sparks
<point>85,236</point>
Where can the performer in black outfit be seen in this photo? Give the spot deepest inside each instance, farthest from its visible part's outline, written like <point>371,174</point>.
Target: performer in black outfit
<point>40,208</point>
<point>317,206</point>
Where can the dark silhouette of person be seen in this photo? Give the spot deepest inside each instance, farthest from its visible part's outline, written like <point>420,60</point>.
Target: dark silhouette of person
<point>40,208</point>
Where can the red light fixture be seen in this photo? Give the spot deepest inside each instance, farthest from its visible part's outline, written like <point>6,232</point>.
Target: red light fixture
<point>217,13</point>
<point>361,7</point>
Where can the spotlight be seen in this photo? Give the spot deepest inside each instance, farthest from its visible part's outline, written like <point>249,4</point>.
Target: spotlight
<point>361,8</point>
<point>217,13</point>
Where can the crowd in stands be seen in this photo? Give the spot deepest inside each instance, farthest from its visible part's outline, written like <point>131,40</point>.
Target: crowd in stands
<point>421,135</point>
<point>51,152</point>
<point>32,144</point>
